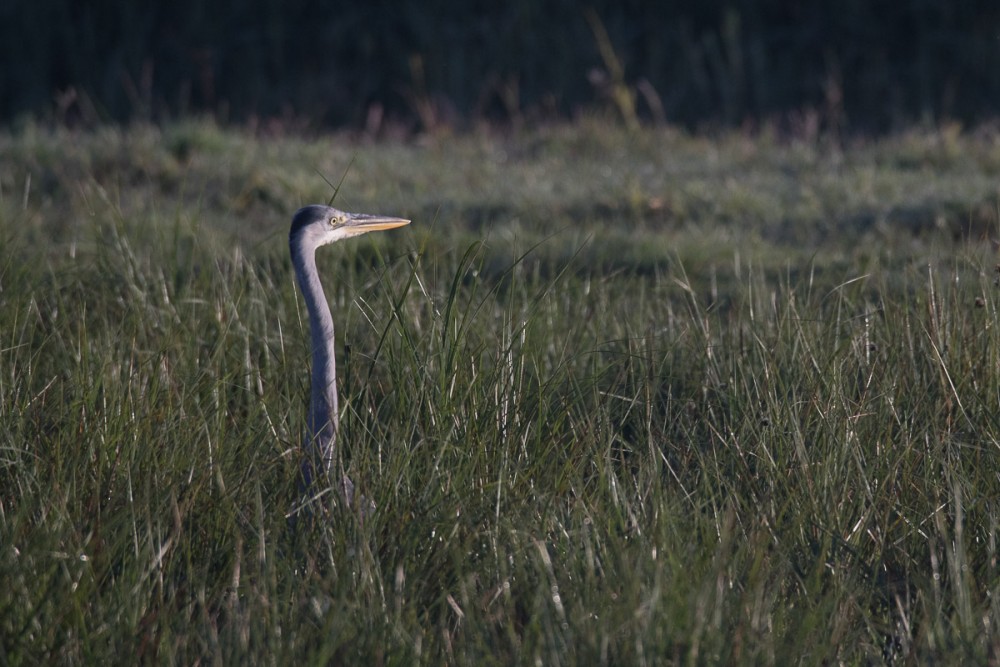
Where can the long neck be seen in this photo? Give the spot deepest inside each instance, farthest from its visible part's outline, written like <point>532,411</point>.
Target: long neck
<point>323,412</point>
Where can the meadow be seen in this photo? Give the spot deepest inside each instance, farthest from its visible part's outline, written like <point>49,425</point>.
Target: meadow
<point>621,397</point>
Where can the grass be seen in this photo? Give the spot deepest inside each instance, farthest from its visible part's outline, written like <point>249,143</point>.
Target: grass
<point>621,397</point>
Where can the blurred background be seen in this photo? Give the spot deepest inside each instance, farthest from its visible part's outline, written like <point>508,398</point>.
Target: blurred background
<point>836,65</point>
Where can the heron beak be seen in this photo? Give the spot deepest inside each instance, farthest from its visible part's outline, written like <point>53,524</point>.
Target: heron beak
<point>362,222</point>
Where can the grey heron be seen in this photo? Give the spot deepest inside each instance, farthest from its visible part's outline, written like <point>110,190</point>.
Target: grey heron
<point>312,227</point>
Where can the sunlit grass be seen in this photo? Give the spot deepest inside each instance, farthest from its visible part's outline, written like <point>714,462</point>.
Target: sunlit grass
<point>619,399</point>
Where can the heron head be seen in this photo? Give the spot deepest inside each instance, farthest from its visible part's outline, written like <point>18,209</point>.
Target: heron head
<point>320,225</point>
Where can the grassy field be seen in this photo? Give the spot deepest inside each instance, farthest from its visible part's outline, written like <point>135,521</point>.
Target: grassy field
<point>621,398</point>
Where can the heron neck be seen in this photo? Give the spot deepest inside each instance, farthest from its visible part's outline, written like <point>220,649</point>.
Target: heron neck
<point>323,411</point>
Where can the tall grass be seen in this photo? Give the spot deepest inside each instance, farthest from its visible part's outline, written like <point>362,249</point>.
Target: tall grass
<point>826,65</point>
<point>761,458</point>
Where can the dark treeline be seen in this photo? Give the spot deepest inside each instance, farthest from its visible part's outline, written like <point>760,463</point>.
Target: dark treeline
<point>859,64</point>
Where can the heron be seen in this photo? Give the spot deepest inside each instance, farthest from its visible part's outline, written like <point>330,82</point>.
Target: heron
<point>314,226</point>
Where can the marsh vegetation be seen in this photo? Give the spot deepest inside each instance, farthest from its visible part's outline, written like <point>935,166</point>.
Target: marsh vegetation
<point>621,398</point>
